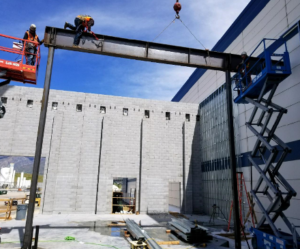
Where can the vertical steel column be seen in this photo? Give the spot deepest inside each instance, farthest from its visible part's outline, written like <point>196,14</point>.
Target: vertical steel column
<point>38,152</point>
<point>99,164</point>
<point>141,163</point>
<point>237,230</point>
<point>183,205</point>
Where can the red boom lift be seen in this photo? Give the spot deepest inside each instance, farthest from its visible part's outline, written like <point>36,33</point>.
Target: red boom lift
<point>18,70</point>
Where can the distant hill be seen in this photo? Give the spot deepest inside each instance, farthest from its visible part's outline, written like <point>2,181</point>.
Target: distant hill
<point>22,164</point>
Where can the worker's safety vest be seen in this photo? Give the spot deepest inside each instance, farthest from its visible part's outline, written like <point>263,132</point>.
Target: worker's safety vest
<point>32,38</point>
<point>85,19</point>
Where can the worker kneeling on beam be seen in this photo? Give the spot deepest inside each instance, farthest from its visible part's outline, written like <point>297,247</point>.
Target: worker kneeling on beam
<point>81,22</point>
<point>31,48</point>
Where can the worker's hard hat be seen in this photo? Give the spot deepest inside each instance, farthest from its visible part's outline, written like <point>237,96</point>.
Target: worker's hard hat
<point>244,53</point>
<point>32,26</point>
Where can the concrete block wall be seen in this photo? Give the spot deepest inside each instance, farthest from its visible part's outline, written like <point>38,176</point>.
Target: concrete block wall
<point>86,149</point>
<point>273,20</point>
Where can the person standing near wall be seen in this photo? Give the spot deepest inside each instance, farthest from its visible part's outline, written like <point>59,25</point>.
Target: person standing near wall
<point>2,110</point>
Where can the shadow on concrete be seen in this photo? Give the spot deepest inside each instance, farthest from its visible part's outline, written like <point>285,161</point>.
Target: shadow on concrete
<point>191,201</point>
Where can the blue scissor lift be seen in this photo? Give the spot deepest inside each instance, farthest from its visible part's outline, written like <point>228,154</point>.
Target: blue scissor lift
<point>252,85</point>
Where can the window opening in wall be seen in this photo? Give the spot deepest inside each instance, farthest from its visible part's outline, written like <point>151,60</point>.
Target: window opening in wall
<point>29,103</point>
<point>187,117</point>
<point>102,109</point>
<point>54,105</point>
<point>123,195</point>
<point>168,116</point>
<point>147,114</point>
<point>198,118</point>
<point>79,108</point>
<point>125,111</point>
<point>4,100</point>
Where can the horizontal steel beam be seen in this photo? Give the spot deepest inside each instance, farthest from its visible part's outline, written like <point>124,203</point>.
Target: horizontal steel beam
<point>152,244</point>
<point>140,235</point>
<point>134,230</point>
<point>142,50</point>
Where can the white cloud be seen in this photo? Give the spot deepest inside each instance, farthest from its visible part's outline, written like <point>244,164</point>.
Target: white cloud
<point>211,19</point>
<point>161,83</point>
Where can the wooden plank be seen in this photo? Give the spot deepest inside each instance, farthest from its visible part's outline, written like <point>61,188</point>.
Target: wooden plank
<point>174,242</point>
<point>124,197</point>
<point>123,205</point>
<point>116,225</point>
<point>123,214</point>
<point>176,214</point>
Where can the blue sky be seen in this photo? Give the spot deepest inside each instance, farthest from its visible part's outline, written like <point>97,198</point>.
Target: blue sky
<point>134,19</point>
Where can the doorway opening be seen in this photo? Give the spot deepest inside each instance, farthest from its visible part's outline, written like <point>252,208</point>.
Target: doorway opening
<point>123,195</point>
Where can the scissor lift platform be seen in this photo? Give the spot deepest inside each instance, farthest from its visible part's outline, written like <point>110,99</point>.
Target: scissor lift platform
<point>250,83</point>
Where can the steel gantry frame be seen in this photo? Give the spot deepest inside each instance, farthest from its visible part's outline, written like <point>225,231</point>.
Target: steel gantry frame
<point>56,38</point>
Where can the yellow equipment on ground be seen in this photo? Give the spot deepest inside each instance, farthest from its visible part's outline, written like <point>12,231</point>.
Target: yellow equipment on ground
<point>135,245</point>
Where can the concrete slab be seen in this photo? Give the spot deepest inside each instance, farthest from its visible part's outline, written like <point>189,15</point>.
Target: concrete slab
<point>90,231</point>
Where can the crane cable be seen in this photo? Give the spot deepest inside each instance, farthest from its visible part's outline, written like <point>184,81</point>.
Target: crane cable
<point>178,17</point>
<point>177,7</point>
<point>192,33</point>
<point>164,29</point>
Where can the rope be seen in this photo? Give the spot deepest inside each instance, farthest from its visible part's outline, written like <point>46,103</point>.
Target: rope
<point>164,30</point>
<point>192,33</point>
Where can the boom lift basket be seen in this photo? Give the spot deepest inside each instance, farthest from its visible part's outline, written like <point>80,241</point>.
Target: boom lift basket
<point>16,68</point>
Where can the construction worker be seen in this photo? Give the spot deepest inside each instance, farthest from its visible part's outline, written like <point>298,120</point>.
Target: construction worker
<point>243,68</point>
<point>31,48</point>
<point>83,23</point>
<point>2,110</point>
